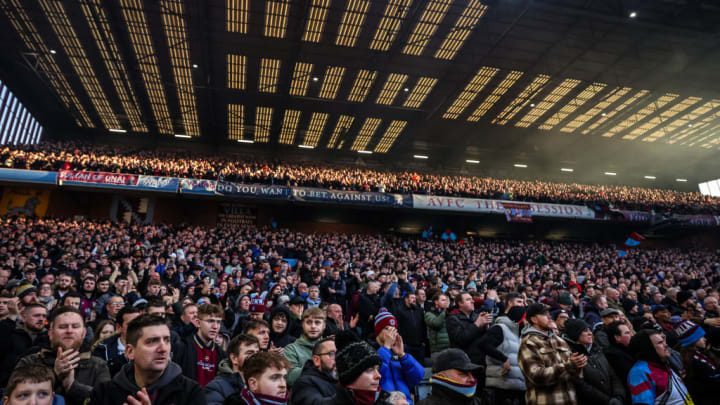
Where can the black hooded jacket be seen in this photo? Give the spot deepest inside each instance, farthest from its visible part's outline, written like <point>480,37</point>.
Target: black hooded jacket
<point>283,338</point>
<point>171,389</point>
<point>314,387</point>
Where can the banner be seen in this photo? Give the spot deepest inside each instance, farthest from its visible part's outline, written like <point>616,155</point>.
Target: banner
<point>197,186</point>
<point>24,201</point>
<point>496,207</point>
<point>515,212</point>
<point>73,177</point>
<point>28,176</point>
<point>346,197</point>
<point>169,184</point>
<point>229,189</point>
<point>236,215</point>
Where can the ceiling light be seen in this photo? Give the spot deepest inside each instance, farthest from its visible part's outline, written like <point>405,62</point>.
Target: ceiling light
<point>121,131</point>
<point>366,152</point>
<point>420,156</point>
<point>472,161</point>
<point>603,114</point>
<point>52,51</point>
<point>315,79</point>
<point>690,125</point>
<point>633,14</point>
<point>406,89</point>
<point>650,177</point>
<point>182,136</point>
<point>565,169</point>
<point>532,104</point>
<point>610,174</point>
<point>246,141</point>
<point>306,146</point>
<point>681,180</point>
<point>195,66</point>
<point>520,165</point>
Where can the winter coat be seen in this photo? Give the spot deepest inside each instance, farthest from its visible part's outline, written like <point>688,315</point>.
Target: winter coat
<point>283,338</point>
<point>172,388</point>
<point>399,374</point>
<point>411,321</point>
<point>314,387</point>
<point>592,314</point>
<point>444,396</point>
<point>702,372</point>
<point>368,307</point>
<point>224,384</point>
<point>345,396</point>
<point>437,329</point>
<point>107,350</point>
<point>599,383</point>
<point>544,359</point>
<point>620,359</point>
<point>298,352</point>
<point>338,297</point>
<point>90,372</point>
<point>14,344</point>
<point>600,337</point>
<point>185,355</point>
<point>465,335</point>
<point>509,346</point>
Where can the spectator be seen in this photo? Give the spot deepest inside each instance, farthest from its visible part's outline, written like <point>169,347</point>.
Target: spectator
<point>617,353</point>
<point>297,307</point>
<point>436,323</point>
<point>229,379</point>
<point>266,375</point>
<point>663,316</point>
<point>18,340</point>
<point>503,376</point>
<point>598,383</point>
<point>317,382</point>
<point>279,318</point>
<point>300,351</point>
<point>594,308</point>
<point>560,316</point>
<point>368,307</point>
<point>546,361</point>
<point>77,372</point>
<point>400,371</point>
<point>651,380</point>
<point>453,380</point>
<point>358,368</point>
<point>465,328</point>
<point>702,367</point>
<point>336,288</point>
<point>261,331</point>
<point>112,349</point>
<point>313,297</point>
<point>410,319</point>
<point>336,323</point>
<point>151,373</point>
<point>198,355</point>
<point>607,316</point>
<point>103,330</point>
<point>32,384</point>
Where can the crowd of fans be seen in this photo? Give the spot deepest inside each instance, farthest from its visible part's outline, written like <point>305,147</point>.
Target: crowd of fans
<point>75,156</point>
<point>111,313</point>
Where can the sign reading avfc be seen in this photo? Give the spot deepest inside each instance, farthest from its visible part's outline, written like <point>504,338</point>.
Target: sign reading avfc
<point>480,206</point>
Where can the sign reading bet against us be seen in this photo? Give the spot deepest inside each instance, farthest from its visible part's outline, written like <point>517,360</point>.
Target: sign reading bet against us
<point>479,206</point>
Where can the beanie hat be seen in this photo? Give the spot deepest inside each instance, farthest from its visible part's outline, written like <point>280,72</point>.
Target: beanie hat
<point>353,357</point>
<point>257,305</point>
<point>383,319</point>
<point>565,299</point>
<point>25,289</point>
<point>688,332</point>
<point>628,305</point>
<point>574,328</point>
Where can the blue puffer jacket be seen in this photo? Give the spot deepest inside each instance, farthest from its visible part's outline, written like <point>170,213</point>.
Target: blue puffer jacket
<point>399,374</point>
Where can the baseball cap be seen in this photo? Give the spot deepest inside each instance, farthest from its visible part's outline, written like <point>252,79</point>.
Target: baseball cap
<point>535,309</point>
<point>609,311</point>
<point>453,359</point>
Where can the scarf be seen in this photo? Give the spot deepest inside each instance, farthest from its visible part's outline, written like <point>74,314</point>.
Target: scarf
<point>253,398</point>
<point>467,390</point>
<point>365,397</point>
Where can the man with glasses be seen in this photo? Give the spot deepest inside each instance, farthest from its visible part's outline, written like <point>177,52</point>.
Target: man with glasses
<point>197,354</point>
<point>318,379</point>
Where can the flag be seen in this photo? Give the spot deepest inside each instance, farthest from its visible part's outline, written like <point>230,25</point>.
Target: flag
<point>632,241</point>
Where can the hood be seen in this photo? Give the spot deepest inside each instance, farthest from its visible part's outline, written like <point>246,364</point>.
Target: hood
<point>303,341</point>
<point>505,320</point>
<point>126,377</point>
<point>531,330</point>
<point>225,366</point>
<point>276,310</point>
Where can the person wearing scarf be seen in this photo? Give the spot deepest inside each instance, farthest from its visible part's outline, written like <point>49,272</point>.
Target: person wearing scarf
<point>701,365</point>
<point>358,372</point>
<point>265,374</point>
<point>452,380</point>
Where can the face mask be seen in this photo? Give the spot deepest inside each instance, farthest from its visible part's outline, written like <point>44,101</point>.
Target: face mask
<point>516,313</point>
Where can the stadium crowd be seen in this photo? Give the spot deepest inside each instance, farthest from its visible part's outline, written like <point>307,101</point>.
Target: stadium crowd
<point>109,313</point>
<point>76,156</point>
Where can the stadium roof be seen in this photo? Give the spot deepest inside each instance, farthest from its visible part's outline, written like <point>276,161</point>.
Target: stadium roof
<point>615,84</point>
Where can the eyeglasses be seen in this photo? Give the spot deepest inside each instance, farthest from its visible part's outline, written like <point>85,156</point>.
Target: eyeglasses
<point>330,354</point>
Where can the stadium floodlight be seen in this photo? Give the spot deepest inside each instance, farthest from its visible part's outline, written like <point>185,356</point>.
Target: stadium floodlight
<point>473,161</point>
<point>246,141</point>
<point>711,188</point>
<point>610,174</point>
<point>633,14</point>
<point>52,51</point>
<point>306,146</point>
<point>681,180</point>
<point>366,152</point>
<point>118,130</point>
<point>566,169</point>
<point>520,165</point>
<point>650,177</point>
<point>183,136</point>
<point>420,156</point>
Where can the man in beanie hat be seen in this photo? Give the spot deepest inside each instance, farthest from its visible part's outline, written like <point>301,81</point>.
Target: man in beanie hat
<point>598,383</point>
<point>257,308</point>
<point>502,343</point>
<point>547,364</point>
<point>452,380</point>
<point>651,379</point>
<point>400,371</point>
<point>27,294</point>
<point>358,369</point>
<point>702,368</point>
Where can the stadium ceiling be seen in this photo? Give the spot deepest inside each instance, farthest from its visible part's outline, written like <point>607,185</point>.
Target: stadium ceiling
<point>590,79</point>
